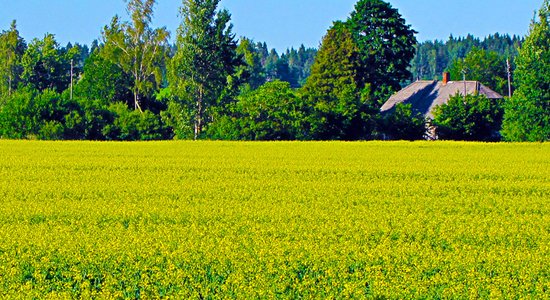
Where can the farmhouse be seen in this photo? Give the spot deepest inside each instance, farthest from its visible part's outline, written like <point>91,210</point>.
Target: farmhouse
<point>425,95</point>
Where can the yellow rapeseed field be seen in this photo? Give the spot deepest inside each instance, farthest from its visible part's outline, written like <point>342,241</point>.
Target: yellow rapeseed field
<point>223,220</point>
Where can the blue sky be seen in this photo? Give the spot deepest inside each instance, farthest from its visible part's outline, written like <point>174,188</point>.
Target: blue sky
<point>280,23</point>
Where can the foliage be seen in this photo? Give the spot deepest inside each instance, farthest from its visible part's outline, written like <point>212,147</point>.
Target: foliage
<point>271,112</point>
<point>78,54</point>
<point>132,125</point>
<point>96,116</point>
<point>205,61</point>
<point>45,65</point>
<point>179,118</point>
<point>338,103</point>
<point>136,48</point>
<point>251,71</point>
<point>487,67</point>
<point>30,114</point>
<point>47,115</point>
<point>527,116</point>
<point>360,63</point>
<point>300,62</point>
<point>473,118</point>
<point>386,46</point>
<point>292,66</point>
<point>403,124</point>
<point>190,220</point>
<point>208,88</point>
<point>18,119</point>
<point>104,81</point>
<point>272,66</point>
<point>434,57</point>
<point>12,48</point>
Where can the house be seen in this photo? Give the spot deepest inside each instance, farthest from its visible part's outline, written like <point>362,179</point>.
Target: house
<point>425,95</point>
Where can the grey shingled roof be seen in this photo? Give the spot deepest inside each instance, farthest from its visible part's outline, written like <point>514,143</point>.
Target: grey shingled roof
<point>426,95</point>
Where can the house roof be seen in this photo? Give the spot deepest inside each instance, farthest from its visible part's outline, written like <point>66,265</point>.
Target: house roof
<point>426,95</point>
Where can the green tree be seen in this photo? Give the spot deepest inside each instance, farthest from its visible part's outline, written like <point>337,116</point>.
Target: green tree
<point>487,67</point>
<point>137,49</point>
<point>270,65</point>
<point>474,118</point>
<point>386,46</point>
<point>44,65</point>
<point>339,107</point>
<point>204,64</point>
<point>271,112</point>
<point>104,81</point>
<point>403,124</point>
<point>133,125</point>
<point>43,115</point>
<point>433,57</point>
<point>303,63</point>
<point>12,48</point>
<point>283,71</point>
<point>527,113</point>
<point>264,53</point>
<point>96,116</point>
<point>18,118</point>
<point>251,71</point>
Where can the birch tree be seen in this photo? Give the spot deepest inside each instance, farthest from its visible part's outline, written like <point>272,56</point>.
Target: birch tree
<point>205,59</point>
<point>137,49</point>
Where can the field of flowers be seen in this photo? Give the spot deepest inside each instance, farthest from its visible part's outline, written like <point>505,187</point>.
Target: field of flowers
<point>274,220</point>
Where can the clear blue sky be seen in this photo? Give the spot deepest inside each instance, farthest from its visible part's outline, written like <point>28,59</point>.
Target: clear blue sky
<point>280,23</point>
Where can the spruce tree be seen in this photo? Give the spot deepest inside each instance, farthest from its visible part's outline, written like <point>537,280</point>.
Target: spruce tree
<point>332,90</point>
<point>386,46</point>
<point>251,72</point>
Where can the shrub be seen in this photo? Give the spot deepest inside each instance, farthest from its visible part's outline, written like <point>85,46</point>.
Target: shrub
<point>272,112</point>
<point>132,125</point>
<point>44,115</point>
<point>473,118</point>
<point>403,124</point>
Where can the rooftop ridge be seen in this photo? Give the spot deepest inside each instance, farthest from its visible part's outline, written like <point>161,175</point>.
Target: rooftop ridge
<point>461,81</point>
<point>425,95</point>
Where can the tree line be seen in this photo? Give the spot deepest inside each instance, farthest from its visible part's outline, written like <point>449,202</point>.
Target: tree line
<point>133,84</point>
<point>525,116</point>
<point>435,57</point>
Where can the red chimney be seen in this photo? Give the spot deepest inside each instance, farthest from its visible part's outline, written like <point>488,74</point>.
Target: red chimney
<point>446,77</point>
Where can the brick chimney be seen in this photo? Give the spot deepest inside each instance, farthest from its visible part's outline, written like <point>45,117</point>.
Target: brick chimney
<point>446,77</point>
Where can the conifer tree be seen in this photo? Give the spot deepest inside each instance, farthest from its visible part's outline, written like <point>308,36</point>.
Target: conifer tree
<point>386,46</point>
<point>251,71</point>
<point>332,90</point>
